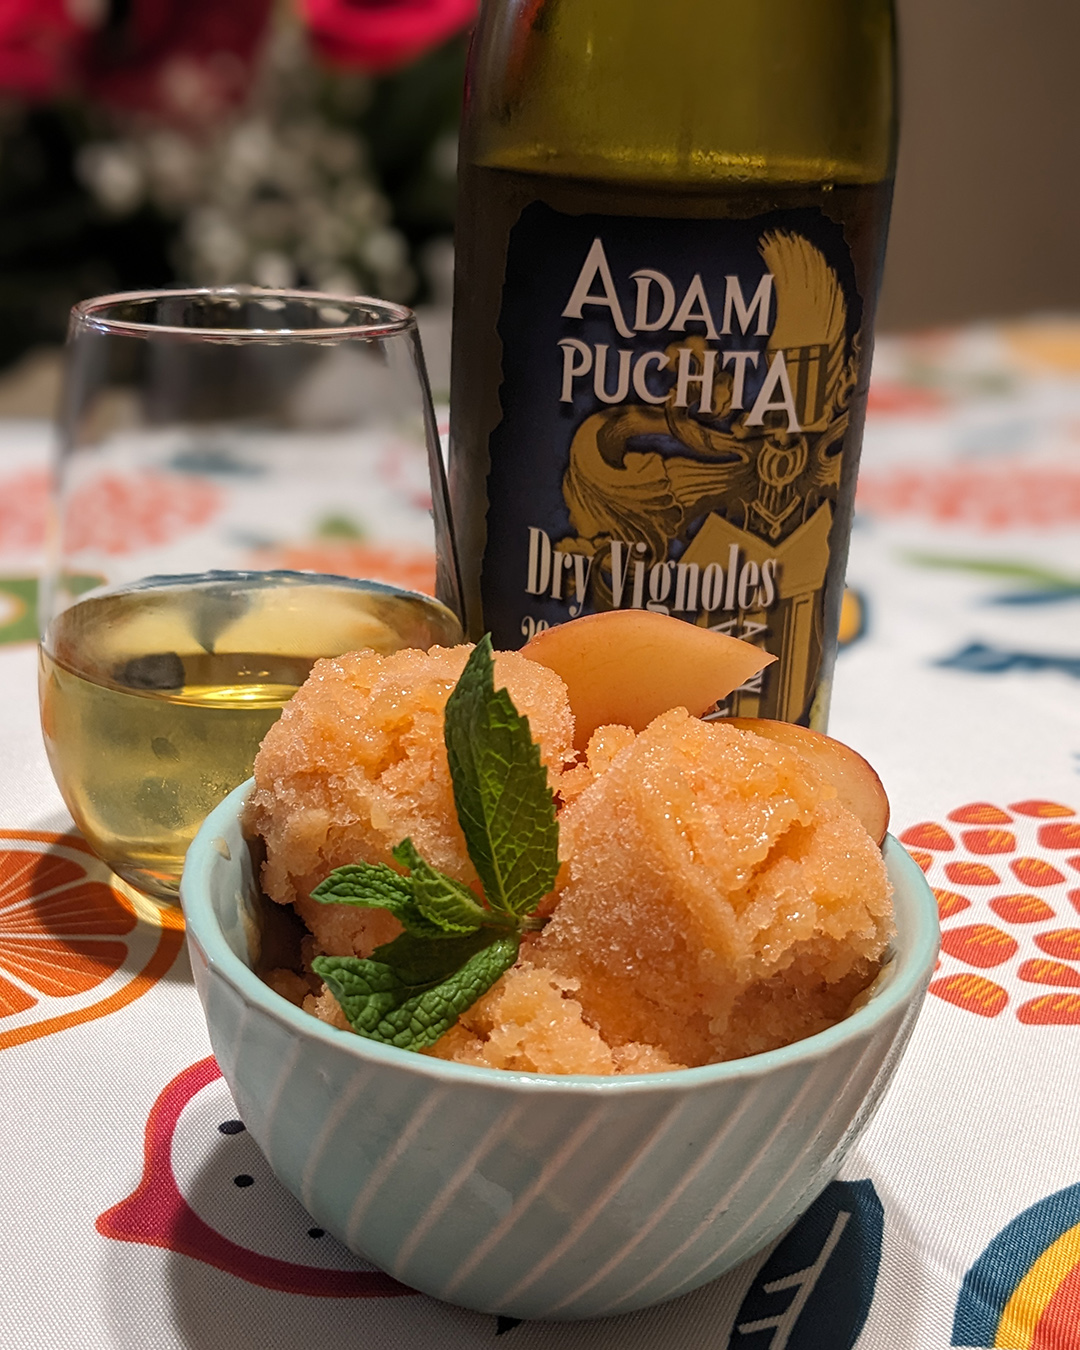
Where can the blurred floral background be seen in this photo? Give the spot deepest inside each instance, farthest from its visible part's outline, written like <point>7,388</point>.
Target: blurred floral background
<point>280,142</point>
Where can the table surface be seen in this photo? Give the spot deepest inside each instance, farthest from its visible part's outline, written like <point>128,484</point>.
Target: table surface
<point>137,1212</point>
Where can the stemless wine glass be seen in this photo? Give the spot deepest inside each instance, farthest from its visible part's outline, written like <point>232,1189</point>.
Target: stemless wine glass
<point>247,480</point>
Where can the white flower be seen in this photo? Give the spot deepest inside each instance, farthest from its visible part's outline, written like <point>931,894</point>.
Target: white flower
<point>283,195</point>
<point>114,174</point>
<point>384,250</point>
<point>274,270</point>
<point>218,249</point>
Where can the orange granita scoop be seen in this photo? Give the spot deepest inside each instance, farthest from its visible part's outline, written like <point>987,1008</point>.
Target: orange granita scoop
<point>716,900</point>
<point>357,763</point>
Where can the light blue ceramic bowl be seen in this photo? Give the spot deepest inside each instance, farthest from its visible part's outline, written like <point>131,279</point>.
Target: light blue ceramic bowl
<point>533,1196</point>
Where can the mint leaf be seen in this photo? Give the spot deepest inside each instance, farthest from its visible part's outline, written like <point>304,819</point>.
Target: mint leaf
<point>441,900</point>
<point>364,884</point>
<point>504,804</point>
<point>376,886</point>
<point>411,991</point>
<point>421,963</point>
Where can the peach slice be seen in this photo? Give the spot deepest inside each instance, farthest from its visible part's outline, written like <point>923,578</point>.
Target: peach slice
<point>631,665</point>
<point>857,785</point>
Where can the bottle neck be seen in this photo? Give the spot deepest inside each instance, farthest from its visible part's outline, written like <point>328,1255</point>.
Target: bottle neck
<point>715,93</point>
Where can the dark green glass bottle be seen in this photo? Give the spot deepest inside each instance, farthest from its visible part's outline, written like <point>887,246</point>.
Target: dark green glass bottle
<point>671,228</point>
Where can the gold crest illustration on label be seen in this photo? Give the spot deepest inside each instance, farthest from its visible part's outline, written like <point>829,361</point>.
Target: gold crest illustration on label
<point>775,478</point>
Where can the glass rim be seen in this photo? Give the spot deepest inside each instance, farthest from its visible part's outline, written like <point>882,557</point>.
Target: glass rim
<point>254,578</point>
<point>92,313</point>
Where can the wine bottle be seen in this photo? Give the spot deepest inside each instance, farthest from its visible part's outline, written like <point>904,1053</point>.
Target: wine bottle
<point>671,228</point>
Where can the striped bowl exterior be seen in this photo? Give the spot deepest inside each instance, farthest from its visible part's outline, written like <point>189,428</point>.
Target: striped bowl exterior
<point>536,1196</point>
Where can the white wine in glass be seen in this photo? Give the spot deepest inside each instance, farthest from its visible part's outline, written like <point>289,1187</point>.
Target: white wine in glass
<point>157,687</point>
<point>155,696</point>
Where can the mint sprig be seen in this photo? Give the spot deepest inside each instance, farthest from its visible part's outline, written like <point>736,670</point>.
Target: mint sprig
<point>501,793</point>
<point>409,992</point>
<point>443,901</point>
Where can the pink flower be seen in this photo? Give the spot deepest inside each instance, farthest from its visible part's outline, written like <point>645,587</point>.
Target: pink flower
<point>39,45</point>
<point>380,34</point>
<point>183,60</point>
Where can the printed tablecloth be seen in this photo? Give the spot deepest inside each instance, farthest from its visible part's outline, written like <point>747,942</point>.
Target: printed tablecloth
<point>136,1212</point>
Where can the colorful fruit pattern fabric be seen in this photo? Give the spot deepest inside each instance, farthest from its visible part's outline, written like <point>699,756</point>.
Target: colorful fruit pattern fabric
<point>73,947</point>
<point>1007,881</point>
<point>207,1192</point>
<point>1023,1292</point>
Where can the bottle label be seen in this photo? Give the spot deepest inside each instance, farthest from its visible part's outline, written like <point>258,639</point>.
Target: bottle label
<point>676,402</point>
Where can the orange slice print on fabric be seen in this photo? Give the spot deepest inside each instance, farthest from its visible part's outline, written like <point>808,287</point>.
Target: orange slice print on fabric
<point>929,835</point>
<point>1030,946</point>
<point>1008,493</point>
<point>24,509</point>
<point>1021,908</point>
<point>1063,834</point>
<point>950,903</point>
<point>1041,809</point>
<point>973,993</point>
<point>411,568</point>
<point>1042,971</point>
<point>989,841</point>
<point>73,947</point>
<point>980,813</point>
<point>1051,1010</point>
<point>971,874</point>
<point>979,944</point>
<point>122,513</point>
<point>1035,872</point>
<point>1062,942</point>
<point>891,396</point>
<point>62,900</point>
<point>922,859</point>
